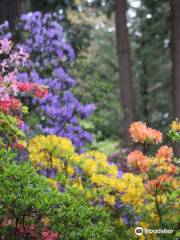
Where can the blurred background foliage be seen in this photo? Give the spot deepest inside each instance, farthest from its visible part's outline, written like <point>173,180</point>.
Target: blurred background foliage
<point>89,26</point>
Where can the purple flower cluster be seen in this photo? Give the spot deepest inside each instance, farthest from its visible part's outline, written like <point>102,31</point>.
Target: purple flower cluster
<point>51,56</point>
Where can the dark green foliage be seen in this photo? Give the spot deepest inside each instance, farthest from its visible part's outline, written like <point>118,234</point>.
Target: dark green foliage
<point>27,198</point>
<point>78,220</point>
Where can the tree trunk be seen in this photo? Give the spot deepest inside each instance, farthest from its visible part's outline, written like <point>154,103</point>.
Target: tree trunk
<point>175,11</point>
<point>24,6</point>
<point>125,73</point>
<point>10,10</point>
<point>144,76</point>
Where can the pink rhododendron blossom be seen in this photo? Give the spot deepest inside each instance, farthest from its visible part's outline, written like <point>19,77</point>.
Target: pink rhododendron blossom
<point>5,45</point>
<point>10,86</point>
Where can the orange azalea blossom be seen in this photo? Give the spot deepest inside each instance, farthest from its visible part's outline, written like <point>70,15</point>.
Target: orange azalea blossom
<point>154,185</point>
<point>154,135</point>
<point>165,152</point>
<point>138,131</point>
<point>138,159</point>
<point>172,168</point>
<point>141,133</point>
<point>164,178</point>
<point>167,167</point>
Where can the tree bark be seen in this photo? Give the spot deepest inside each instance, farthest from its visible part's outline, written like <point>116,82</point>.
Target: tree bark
<point>144,77</point>
<point>125,72</point>
<point>175,13</point>
<point>10,10</point>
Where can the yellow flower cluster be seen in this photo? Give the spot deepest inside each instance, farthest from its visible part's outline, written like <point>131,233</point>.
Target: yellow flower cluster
<point>98,174</point>
<point>78,183</point>
<point>94,162</point>
<point>133,189</point>
<point>110,199</point>
<point>99,179</point>
<point>129,188</point>
<point>70,170</point>
<point>75,158</point>
<point>96,167</point>
<point>175,125</point>
<point>50,151</point>
<point>103,176</point>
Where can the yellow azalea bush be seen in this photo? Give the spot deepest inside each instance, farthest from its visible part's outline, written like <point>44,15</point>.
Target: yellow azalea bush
<point>47,152</point>
<point>50,151</point>
<point>91,172</point>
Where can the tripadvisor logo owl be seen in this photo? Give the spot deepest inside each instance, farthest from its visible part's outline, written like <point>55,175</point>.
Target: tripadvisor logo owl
<point>138,231</point>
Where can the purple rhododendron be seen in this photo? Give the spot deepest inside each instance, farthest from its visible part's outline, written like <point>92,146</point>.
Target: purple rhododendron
<point>51,56</point>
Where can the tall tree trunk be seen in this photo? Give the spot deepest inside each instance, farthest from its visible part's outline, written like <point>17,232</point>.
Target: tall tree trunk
<point>125,72</point>
<point>24,6</point>
<point>10,10</point>
<point>144,77</point>
<point>175,11</point>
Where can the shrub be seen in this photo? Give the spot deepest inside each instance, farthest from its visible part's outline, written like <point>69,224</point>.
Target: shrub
<point>31,207</point>
<point>146,195</point>
<point>51,56</point>
<point>11,108</point>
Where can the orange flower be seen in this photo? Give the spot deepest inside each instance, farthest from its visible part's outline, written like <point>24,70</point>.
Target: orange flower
<point>138,131</point>
<point>165,152</point>
<point>154,135</point>
<point>164,178</point>
<point>166,167</point>
<point>172,168</point>
<point>141,133</point>
<point>138,159</point>
<point>154,185</point>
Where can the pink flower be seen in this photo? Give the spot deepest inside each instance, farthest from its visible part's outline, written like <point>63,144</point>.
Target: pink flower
<point>49,235</point>
<point>32,231</point>
<point>37,90</point>
<point>10,104</point>
<point>3,65</point>
<point>41,92</point>
<point>19,57</point>
<point>5,45</point>
<point>25,87</point>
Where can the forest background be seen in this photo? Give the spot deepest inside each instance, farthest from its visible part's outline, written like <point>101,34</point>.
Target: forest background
<point>127,61</point>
